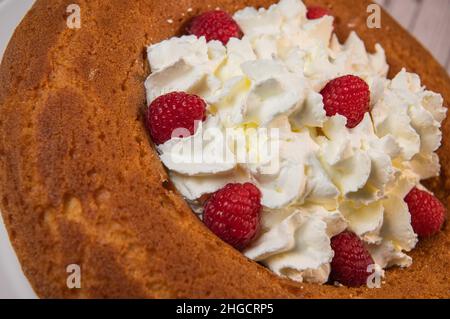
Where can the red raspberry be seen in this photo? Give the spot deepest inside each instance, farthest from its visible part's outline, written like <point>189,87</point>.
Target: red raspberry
<point>348,96</point>
<point>174,111</point>
<point>315,12</point>
<point>427,212</point>
<point>215,25</point>
<point>233,213</point>
<point>350,261</point>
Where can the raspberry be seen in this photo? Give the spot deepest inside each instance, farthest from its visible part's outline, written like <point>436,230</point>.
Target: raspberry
<point>427,212</point>
<point>174,111</point>
<point>315,12</point>
<point>348,96</point>
<point>215,25</point>
<point>350,261</point>
<point>233,213</point>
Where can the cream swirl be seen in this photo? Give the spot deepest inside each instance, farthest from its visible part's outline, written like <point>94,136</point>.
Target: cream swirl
<point>327,178</point>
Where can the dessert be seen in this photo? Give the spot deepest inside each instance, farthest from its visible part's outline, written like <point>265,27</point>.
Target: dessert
<point>81,184</point>
<point>333,146</point>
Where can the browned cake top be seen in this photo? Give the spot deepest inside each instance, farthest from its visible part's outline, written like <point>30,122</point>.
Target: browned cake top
<point>81,183</point>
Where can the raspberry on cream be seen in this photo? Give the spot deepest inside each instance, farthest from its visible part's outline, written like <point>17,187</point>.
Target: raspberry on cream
<point>329,178</point>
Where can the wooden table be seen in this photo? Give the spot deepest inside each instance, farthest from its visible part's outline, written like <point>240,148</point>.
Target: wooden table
<point>428,20</point>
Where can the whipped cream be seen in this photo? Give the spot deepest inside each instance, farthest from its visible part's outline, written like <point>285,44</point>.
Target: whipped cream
<point>327,178</point>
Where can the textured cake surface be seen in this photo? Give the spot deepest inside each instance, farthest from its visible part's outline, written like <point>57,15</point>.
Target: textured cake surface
<point>80,182</point>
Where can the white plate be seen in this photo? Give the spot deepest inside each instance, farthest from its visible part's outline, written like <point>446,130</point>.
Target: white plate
<point>13,283</point>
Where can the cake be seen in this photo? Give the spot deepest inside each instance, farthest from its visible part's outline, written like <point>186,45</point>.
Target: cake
<point>81,182</point>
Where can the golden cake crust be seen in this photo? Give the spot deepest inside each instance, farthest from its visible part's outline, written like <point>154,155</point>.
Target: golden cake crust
<point>81,183</point>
